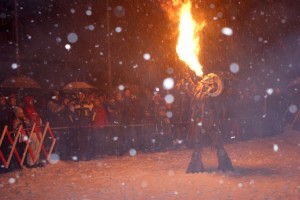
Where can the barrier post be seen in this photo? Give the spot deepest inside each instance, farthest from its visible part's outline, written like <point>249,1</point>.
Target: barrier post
<point>53,140</point>
<point>42,140</point>
<point>34,155</point>
<point>13,149</point>
<point>27,147</point>
<point>41,143</point>
<point>3,134</point>
<point>1,140</point>
<point>47,128</point>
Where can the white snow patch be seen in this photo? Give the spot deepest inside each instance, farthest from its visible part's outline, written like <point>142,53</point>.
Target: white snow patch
<point>72,37</point>
<point>11,180</point>
<point>147,56</point>
<point>68,47</point>
<point>121,87</point>
<point>270,91</point>
<point>293,109</point>
<point>132,152</point>
<point>14,66</point>
<point>118,29</point>
<point>74,158</point>
<point>88,12</point>
<point>168,83</point>
<point>54,158</point>
<point>234,68</point>
<point>169,98</point>
<point>227,31</point>
<point>275,148</point>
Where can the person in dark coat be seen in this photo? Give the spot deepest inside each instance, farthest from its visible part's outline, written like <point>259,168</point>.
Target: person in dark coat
<point>130,117</point>
<point>59,116</point>
<point>150,129</point>
<point>114,111</point>
<point>82,117</point>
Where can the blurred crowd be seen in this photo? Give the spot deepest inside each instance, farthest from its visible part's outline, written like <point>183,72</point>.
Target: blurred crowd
<point>88,125</point>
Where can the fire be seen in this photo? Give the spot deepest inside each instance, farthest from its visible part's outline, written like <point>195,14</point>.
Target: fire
<point>188,47</point>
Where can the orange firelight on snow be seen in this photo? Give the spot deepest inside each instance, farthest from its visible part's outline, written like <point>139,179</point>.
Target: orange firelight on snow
<point>188,47</point>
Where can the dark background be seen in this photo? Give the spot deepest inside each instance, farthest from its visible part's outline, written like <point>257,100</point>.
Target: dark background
<point>265,41</point>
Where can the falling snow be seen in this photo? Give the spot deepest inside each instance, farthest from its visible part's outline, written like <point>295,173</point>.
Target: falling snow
<point>168,83</point>
<point>227,31</point>
<point>254,46</point>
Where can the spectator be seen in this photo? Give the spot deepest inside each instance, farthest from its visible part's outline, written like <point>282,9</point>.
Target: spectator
<point>11,103</point>
<point>66,139</point>
<point>82,116</point>
<point>153,107</point>
<point>4,112</point>
<point>100,137</point>
<point>173,115</point>
<point>150,130</point>
<point>129,118</point>
<point>18,121</point>
<point>58,116</point>
<point>163,137</point>
<point>55,108</point>
<point>114,108</point>
<point>33,118</point>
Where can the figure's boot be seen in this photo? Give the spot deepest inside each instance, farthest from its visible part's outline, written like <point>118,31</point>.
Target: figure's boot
<point>223,160</point>
<point>195,165</point>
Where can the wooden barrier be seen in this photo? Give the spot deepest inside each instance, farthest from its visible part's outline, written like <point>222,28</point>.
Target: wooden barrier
<point>41,140</point>
<point>27,150</point>
<point>13,150</point>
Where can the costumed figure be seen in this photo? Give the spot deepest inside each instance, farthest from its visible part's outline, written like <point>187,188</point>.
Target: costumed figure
<point>207,113</point>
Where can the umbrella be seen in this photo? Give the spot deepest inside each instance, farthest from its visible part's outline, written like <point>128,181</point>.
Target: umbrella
<point>20,82</point>
<point>78,85</point>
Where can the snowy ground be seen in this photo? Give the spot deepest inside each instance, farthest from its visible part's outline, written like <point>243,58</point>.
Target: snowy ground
<point>265,168</point>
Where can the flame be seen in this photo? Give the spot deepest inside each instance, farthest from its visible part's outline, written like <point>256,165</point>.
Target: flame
<point>188,41</point>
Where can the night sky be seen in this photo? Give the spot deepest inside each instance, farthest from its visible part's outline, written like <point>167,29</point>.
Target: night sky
<point>265,43</point>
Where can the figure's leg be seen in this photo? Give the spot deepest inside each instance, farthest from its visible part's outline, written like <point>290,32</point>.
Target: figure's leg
<point>196,164</point>
<point>224,162</point>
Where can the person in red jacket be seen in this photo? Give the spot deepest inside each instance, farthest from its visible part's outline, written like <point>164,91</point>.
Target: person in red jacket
<point>31,113</point>
<point>100,136</point>
<point>100,118</point>
<point>33,117</point>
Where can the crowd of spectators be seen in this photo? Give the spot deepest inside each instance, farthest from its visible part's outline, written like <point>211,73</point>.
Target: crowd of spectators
<point>88,125</point>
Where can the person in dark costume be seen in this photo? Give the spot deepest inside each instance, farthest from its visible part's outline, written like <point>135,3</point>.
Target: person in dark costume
<point>207,113</point>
